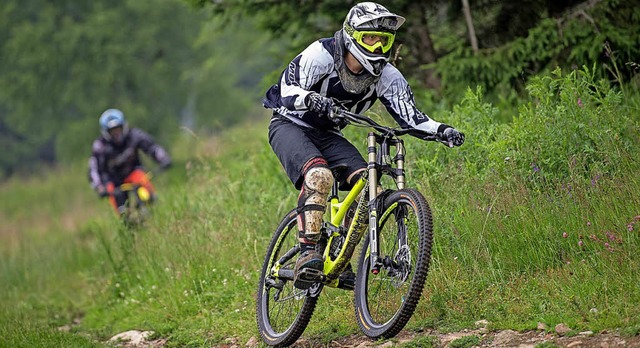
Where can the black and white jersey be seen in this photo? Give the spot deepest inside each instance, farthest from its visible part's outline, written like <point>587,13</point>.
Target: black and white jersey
<point>314,70</point>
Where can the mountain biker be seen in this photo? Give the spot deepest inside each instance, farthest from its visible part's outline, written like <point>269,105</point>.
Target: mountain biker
<point>115,158</point>
<point>349,70</point>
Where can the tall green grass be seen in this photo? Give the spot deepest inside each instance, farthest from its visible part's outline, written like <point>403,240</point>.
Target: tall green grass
<point>46,258</point>
<point>515,243</point>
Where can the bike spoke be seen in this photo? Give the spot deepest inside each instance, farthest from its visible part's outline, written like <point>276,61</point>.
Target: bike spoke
<point>283,310</point>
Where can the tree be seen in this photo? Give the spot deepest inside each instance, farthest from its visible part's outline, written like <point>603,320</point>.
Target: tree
<point>63,62</point>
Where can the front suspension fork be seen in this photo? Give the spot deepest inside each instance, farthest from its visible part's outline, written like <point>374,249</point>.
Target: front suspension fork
<point>374,258</point>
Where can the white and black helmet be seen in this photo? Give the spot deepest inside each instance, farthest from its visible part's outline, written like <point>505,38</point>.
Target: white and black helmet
<point>370,17</point>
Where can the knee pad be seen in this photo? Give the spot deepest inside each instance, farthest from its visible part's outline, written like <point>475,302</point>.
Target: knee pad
<point>312,201</point>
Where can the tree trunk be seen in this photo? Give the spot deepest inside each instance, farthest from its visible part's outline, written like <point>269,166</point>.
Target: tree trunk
<point>472,32</point>
<point>423,46</point>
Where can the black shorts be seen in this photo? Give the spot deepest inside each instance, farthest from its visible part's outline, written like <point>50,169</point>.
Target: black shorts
<point>295,145</point>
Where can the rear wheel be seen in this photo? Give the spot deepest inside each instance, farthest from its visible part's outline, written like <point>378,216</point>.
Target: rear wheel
<point>384,302</point>
<point>283,311</point>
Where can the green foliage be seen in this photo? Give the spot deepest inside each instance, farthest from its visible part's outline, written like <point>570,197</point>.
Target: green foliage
<point>164,64</point>
<point>546,345</point>
<point>465,342</point>
<point>574,125</point>
<point>421,342</point>
<point>581,122</point>
<point>509,248</point>
<point>605,33</point>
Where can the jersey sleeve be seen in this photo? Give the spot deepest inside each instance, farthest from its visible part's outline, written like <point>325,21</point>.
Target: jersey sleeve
<point>96,165</point>
<point>303,72</point>
<point>150,147</point>
<point>395,94</point>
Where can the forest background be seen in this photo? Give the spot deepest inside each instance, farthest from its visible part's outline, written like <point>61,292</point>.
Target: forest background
<point>168,65</point>
<point>546,91</point>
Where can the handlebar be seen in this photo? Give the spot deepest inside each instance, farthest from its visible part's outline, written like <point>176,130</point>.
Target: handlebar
<point>357,119</point>
<point>128,186</point>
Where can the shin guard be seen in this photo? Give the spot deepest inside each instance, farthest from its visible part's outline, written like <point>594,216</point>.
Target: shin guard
<point>312,201</point>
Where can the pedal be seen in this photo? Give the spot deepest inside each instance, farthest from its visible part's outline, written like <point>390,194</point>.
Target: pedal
<point>311,275</point>
<point>346,284</point>
<point>307,277</point>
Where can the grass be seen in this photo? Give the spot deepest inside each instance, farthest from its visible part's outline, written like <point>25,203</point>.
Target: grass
<point>511,247</point>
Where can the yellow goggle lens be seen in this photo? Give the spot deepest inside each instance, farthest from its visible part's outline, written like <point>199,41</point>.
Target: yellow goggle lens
<point>372,40</point>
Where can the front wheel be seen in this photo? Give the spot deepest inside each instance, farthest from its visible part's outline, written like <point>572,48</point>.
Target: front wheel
<point>384,302</point>
<point>283,311</point>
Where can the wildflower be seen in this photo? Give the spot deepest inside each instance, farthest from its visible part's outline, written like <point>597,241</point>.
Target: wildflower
<point>580,102</point>
<point>630,227</point>
<point>588,223</point>
<point>535,167</point>
<point>580,243</point>
<point>564,235</point>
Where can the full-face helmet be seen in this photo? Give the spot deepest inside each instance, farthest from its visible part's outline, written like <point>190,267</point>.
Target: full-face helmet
<point>111,119</point>
<point>368,32</point>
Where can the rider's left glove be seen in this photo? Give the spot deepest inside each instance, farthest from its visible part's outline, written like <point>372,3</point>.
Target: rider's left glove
<point>452,137</point>
<point>165,164</point>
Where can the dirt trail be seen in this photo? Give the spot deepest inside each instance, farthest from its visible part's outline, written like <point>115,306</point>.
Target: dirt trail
<point>498,339</point>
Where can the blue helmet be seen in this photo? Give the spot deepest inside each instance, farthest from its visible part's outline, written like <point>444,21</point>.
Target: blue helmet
<point>110,119</point>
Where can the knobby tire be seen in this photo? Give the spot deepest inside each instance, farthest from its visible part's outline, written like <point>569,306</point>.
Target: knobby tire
<point>281,322</point>
<point>385,302</point>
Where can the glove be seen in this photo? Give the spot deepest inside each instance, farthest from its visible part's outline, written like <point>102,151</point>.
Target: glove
<point>165,165</point>
<point>452,137</point>
<point>321,105</point>
<point>102,191</point>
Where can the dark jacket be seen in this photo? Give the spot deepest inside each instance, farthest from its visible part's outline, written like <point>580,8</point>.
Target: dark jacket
<point>110,162</point>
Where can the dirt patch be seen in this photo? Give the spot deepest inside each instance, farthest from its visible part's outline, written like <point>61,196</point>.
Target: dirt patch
<point>482,337</point>
<point>502,338</point>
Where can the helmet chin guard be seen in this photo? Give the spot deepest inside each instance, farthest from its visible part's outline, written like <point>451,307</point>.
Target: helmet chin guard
<point>351,82</point>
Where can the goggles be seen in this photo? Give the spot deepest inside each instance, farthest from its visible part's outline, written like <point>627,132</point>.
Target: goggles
<point>371,40</point>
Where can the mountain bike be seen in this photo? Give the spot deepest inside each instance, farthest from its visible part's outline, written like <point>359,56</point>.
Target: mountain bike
<point>394,258</point>
<point>139,200</point>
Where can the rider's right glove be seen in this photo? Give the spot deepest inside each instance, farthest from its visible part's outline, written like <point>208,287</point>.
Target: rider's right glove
<point>321,105</point>
<point>452,137</point>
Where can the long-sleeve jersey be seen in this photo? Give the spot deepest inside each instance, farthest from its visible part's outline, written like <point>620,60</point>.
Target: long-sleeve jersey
<point>314,70</point>
<point>113,163</point>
